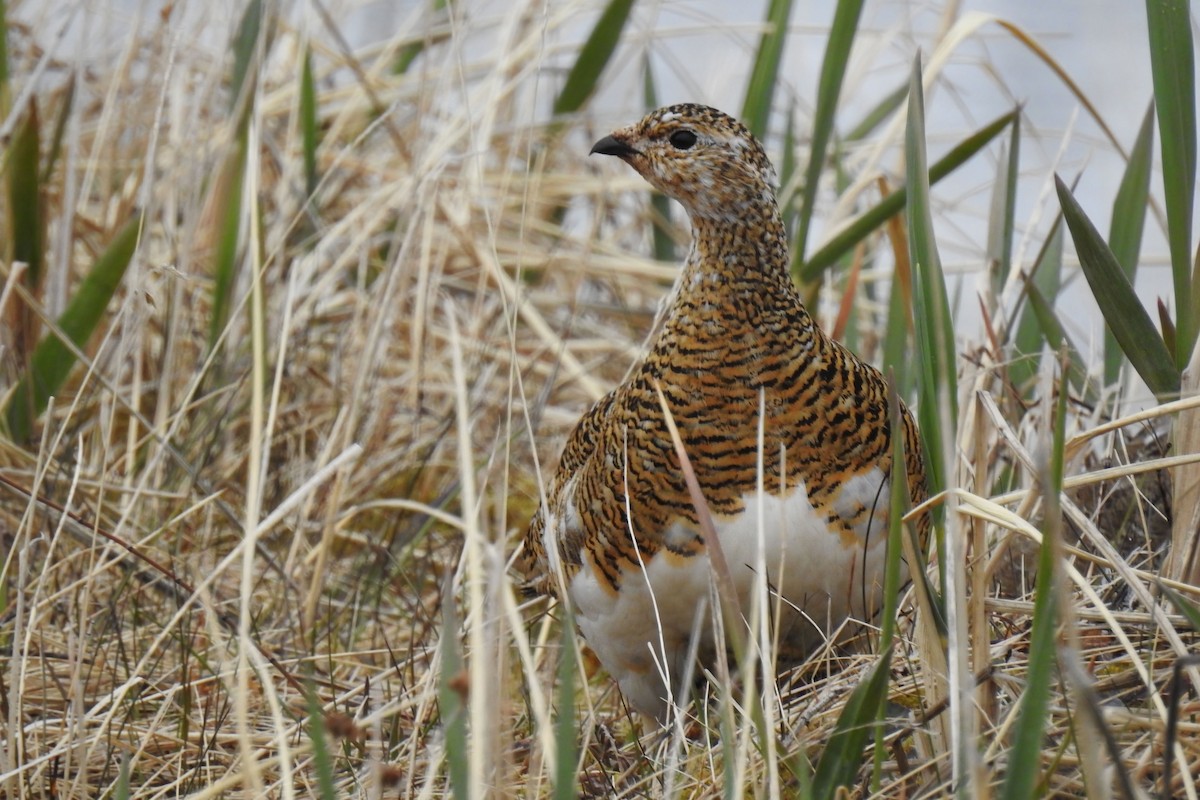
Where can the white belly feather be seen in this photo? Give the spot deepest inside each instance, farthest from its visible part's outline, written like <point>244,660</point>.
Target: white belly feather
<point>645,630</point>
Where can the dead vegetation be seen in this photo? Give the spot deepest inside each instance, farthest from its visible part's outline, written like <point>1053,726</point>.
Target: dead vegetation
<point>324,494</point>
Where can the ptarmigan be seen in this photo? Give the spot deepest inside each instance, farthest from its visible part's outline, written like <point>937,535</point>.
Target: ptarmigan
<point>619,530</point>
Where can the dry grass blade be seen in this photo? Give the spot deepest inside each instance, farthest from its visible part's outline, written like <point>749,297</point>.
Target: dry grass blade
<point>278,562</point>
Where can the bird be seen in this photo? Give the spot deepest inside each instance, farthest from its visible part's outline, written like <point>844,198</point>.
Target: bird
<point>786,431</point>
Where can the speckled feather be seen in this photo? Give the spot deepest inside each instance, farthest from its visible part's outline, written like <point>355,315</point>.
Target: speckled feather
<point>735,327</point>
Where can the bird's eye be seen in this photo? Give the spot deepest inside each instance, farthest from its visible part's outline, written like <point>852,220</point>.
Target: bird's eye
<point>682,140</point>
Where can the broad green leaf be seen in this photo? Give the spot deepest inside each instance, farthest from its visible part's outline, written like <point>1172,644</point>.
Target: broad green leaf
<point>764,76</point>
<point>1128,222</point>
<point>843,754</point>
<point>52,359</point>
<point>27,224</point>
<point>1173,66</point>
<point>833,71</point>
<point>1120,306</point>
<point>936,351</point>
<point>593,57</point>
<point>853,233</point>
<point>1001,220</point>
<point>308,123</point>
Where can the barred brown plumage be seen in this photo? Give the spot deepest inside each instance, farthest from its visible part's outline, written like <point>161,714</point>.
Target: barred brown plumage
<point>619,528</point>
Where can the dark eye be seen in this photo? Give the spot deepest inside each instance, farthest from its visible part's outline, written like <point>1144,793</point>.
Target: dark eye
<point>682,140</point>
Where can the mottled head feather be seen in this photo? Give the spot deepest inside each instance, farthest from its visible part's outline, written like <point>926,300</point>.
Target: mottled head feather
<point>704,158</point>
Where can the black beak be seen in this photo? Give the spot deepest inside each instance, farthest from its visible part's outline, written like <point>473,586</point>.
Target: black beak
<point>611,146</point>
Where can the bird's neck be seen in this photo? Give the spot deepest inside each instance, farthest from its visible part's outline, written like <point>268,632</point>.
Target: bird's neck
<point>734,309</point>
<point>739,254</point>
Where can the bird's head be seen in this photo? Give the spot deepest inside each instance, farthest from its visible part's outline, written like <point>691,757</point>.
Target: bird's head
<point>707,160</point>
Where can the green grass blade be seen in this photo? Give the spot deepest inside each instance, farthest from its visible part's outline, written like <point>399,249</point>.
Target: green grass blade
<point>1024,761</point>
<point>566,735</point>
<point>308,123</point>
<point>225,255</point>
<point>123,790</point>
<point>898,505</point>
<point>1124,313</point>
<point>4,58</point>
<point>764,76</point>
<point>27,226</point>
<point>1056,338</point>
<point>1128,222</point>
<point>1031,335</point>
<point>245,46</point>
<point>829,89</point>
<point>1173,66</point>
<point>1186,608</point>
<point>452,709</point>
<point>876,115</point>
<point>318,735</point>
<point>936,351</point>
<point>1166,325</point>
<point>787,171</point>
<point>1176,690</point>
<point>1001,220</point>
<point>664,244</point>
<point>844,241</point>
<point>409,53</point>
<point>897,359</point>
<point>1129,207</point>
<point>844,753</point>
<point>593,57</point>
<point>60,130</point>
<point>52,359</point>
